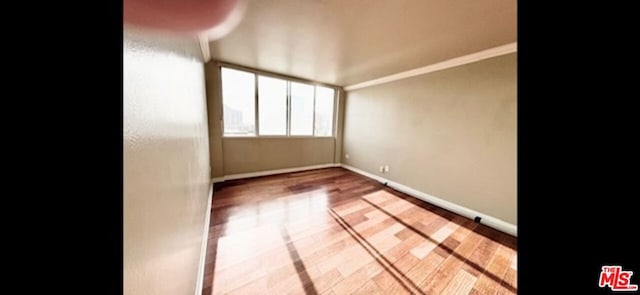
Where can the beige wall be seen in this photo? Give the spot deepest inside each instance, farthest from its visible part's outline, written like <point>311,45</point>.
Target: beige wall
<point>242,155</point>
<point>214,107</point>
<point>450,134</point>
<point>234,155</point>
<point>339,121</point>
<point>166,164</point>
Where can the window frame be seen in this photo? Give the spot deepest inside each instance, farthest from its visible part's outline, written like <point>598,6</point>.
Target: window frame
<point>288,79</point>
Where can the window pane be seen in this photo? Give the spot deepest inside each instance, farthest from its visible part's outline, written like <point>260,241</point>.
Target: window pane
<point>272,106</point>
<point>324,111</point>
<point>301,109</point>
<point>238,102</point>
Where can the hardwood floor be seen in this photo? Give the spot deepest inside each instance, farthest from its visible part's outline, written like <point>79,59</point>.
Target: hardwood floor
<point>331,231</point>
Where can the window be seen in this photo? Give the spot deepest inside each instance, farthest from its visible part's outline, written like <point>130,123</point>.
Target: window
<point>323,124</point>
<point>280,107</point>
<point>301,109</point>
<point>272,106</point>
<point>238,102</point>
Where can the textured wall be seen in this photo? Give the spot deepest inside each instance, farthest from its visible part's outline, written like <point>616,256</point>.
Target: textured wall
<point>450,134</point>
<point>166,164</point>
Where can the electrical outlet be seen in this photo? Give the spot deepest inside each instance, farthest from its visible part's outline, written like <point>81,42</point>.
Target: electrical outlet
<point>382,169</point>
<point>386,168</point>
<point>346,156</point>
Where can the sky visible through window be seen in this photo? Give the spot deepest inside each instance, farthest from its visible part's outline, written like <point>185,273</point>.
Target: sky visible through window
<point>324,111</point>
<point>301,109</point>
<point>272,104</point>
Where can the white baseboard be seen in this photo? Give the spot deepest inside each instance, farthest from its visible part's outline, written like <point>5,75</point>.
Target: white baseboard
<point>205,238</point>
<point>272,172</point>
<point>488,220</point>
<point>217,179</point>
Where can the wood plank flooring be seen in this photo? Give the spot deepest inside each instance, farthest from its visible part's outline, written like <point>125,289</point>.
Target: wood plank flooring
<point>331,231</point>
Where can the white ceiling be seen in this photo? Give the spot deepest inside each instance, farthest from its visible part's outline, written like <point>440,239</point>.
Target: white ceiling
<point>344,42</point>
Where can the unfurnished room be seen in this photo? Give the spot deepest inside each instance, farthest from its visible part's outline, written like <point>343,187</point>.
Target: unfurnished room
<point>320,147</point>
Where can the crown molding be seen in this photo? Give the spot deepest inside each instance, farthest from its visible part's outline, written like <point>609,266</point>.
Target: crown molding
<point>204,47</point>
<point>450,63</point>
